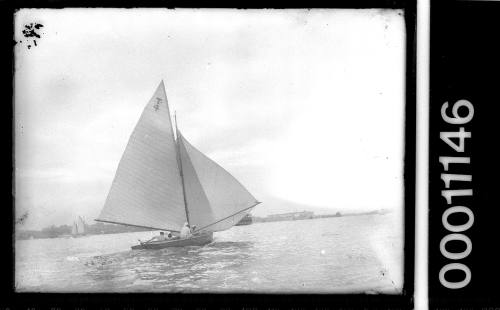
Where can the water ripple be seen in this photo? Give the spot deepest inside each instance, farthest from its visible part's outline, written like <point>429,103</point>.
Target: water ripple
<point>351,254</point>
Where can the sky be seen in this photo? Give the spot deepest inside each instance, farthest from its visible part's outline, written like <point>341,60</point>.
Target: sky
<point>304,107</point>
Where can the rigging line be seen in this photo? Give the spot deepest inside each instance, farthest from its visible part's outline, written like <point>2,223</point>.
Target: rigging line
<point>175,138</point>
<point>179,159</point>
<point>125,224</point>
<point>228,216</point>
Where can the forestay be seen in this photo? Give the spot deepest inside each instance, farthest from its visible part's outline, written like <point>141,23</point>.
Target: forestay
<point>147,188</point>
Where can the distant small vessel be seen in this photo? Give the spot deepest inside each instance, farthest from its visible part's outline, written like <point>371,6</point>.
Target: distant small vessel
<point>78,229</point>
<point>162,181</point>
<point>247,220</point>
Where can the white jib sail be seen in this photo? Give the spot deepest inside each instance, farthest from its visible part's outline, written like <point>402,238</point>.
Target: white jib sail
<point>199,210</point>
<point>147,189</point>
<point>228,200</point>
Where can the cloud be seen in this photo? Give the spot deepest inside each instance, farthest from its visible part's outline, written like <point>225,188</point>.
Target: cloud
<point>302,105</point>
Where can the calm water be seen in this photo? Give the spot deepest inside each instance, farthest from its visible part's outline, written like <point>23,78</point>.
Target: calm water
<point>346,254</point>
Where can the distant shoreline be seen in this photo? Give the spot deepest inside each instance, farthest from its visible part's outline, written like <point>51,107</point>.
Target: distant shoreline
<point>311,215</point>
<point>64,231</point>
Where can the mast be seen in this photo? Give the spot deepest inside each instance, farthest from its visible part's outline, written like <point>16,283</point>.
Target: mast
<point>180,169</point>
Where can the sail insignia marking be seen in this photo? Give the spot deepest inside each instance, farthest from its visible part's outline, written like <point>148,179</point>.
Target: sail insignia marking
<point>157,104</point>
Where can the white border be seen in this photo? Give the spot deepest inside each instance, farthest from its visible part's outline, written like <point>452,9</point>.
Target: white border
<point>422,156</point>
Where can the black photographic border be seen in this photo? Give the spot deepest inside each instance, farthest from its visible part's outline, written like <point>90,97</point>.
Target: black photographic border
<point>130,301</point>
<point>464,65</point>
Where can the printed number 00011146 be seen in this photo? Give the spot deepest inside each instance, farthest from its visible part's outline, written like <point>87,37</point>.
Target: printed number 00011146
<point>456,231</point>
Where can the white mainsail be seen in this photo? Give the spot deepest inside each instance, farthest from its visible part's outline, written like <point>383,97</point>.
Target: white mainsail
<point>221,201</point>
<point>147,188</point>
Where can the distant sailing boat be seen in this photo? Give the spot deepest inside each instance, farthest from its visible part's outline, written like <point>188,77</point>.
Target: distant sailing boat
<point>162,181</point>
<point>78,228</point>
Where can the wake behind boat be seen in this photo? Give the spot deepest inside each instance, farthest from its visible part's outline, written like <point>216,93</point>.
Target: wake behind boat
<point>162,182</point>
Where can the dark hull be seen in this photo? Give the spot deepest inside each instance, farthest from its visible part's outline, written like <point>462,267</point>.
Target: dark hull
<point>245,222</point>
<point>193,241</point>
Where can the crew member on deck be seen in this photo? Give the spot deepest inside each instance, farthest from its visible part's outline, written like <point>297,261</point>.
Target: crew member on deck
<point>193,230</point>
<point>161,237</point>
<point>185,231</point>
